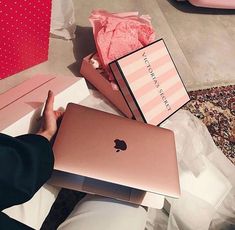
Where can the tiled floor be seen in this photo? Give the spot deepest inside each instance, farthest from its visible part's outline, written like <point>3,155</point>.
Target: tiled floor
<point>207,39</point>
<point>202,42</point>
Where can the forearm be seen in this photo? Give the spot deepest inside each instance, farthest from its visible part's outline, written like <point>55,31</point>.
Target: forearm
<point>26,163</point>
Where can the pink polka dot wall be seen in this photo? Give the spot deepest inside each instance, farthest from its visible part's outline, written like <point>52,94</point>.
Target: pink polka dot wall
<point>24,34</point>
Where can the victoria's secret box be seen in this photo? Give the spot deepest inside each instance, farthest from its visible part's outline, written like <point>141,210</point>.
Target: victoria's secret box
<point>150,83</point>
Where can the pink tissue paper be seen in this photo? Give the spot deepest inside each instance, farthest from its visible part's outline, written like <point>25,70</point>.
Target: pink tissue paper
<point>118,34</point>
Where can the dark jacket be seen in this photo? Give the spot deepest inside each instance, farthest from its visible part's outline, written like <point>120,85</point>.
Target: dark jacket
<point>26,163</point>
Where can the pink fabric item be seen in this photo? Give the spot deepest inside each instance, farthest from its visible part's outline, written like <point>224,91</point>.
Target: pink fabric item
<point>119,34</point>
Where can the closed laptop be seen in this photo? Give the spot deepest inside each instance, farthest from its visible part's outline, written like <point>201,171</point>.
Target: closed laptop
<point>100,150</point>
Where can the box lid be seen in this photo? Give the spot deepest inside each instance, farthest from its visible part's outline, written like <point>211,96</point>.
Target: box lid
<point>150,83</point>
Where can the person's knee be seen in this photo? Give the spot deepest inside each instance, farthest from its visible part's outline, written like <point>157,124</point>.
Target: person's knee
<point>95,212</point>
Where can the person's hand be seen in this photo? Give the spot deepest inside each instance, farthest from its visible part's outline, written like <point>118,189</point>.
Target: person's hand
<point>50,117</point>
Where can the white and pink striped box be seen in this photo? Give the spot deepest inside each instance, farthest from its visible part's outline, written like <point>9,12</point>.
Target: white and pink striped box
<point>150,83</point>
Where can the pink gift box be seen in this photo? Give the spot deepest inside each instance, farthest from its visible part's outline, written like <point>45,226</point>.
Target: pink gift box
<point>24,34</point>
<point>21,106</point>
<point>150,83</point>
<point>150,86</point>
<point>104,86</point>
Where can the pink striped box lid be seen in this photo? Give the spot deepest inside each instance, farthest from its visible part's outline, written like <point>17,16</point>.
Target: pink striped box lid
<point>150,83</point>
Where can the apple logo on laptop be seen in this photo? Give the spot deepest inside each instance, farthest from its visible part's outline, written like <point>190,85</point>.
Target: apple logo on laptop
<point>120,145</point>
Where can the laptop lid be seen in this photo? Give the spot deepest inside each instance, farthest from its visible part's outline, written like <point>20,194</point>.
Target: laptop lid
<point>114,149</point>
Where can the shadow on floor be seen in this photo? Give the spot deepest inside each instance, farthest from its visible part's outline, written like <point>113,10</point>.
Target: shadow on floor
<point>189,8</point>
<point>83,44</point>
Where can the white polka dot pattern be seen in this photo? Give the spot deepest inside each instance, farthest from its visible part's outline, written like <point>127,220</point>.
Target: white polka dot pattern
<point>24,34</point>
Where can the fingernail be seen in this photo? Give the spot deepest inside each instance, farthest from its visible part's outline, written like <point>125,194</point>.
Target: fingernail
<point>50,92</point>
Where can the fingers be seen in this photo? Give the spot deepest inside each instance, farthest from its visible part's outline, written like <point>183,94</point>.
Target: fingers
<point>48,110</point>
<point>58,114</point>
<point>49,102</point>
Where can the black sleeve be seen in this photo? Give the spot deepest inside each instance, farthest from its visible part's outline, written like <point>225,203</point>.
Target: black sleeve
<point>26,163</point>
<point>7,223</point>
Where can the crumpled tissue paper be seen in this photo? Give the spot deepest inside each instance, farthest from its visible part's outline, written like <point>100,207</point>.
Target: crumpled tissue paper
<point>63,19</point>
<point>117,34</point>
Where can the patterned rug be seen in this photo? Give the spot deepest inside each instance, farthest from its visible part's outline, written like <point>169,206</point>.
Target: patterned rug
<point>216,108</point>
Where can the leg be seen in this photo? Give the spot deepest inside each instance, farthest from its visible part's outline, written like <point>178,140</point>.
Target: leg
<point>100,213</point>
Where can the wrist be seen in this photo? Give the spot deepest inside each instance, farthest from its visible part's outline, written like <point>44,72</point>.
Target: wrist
<point>44,134</point>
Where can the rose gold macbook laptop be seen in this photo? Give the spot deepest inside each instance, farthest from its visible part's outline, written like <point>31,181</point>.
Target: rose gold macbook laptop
<point>109,155</point>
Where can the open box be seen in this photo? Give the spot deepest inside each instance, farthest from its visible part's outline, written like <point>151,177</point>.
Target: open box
<point>104,86</point>
<point>150,87</point>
